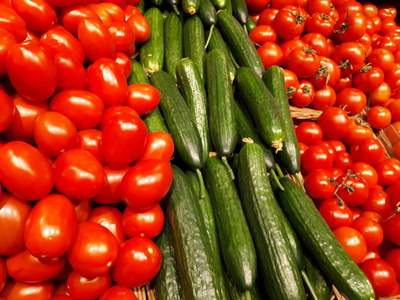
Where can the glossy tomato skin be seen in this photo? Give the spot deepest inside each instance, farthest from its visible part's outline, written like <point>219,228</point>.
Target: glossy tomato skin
<point>71,73</point>
<point>148,223</point>
<point>141,27</point>
<point>80,287</point>
<point>387,173</point>
<point>369,80</point>
<point>12,22</point>
<point>65,3</point>
<point>13,215</point>
<point>118,292</point>
<point>38,15</point>
<point>303,61</point>
<point>358,131</point>
<point>352,100</point>
<point>366,172</point>
<point>28,291</point>
<point>309,133</point>
<point>7,111</point>
<point>3,273</point>
<point>378,201</point>
<point>7,40</point>
<point>78,174</point>
<point>304,94</point>
<point>334,123</point>
<point>50,227</point>
<point>336,213</point>
<point>123,35</point>
<point>82,209</point>
<point>391,227</point>
<point>328,73</point>
<point>319,23</point>
<point>146,183</point>
<point>371,230</point>
<point>124,62</point>
<point>318,184</point>
<point>143,98</point>
<point>90,140</point>
<point>271,54</point>
<point>353,189</point>
<point>114,110</point>
<point>129,270</point>
<point>381,275</point>
<point>353,242</point>
<point>159,145</point>
<point>25,171</point>
<point>290,22</point>
<point>96,259</point>
<point>316,157</point>
<point>369,151</point>
<point>324,97</point>
<point>71,16</point>
<point>392,257</point>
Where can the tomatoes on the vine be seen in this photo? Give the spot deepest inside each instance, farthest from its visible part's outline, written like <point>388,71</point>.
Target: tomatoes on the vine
<point>336,213</point>
<point>352,189</point>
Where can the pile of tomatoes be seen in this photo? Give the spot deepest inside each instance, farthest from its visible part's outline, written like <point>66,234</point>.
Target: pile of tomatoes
<point>81,178</point>
<point>342,57</point>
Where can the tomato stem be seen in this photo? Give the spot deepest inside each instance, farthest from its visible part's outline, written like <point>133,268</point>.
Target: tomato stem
<point>323,71</point>
<point>366,68</point>
<point>289,92</point>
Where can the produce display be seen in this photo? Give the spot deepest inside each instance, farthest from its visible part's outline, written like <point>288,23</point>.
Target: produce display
<point>199,149</point>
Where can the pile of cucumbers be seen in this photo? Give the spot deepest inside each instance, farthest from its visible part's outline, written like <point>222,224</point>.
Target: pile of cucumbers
<point>237,227</point>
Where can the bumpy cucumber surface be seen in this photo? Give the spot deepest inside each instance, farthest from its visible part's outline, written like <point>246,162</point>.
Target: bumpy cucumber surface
<point>173,38</point>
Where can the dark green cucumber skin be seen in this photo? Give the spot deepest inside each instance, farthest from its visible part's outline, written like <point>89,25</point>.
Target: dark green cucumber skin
<point>239,11</point>
<point>290,154</point>
<point>261,105</point>
<point>190,6</point>
<point>167,284</point>
<point>246,130</point>
<point>179,121</point>
<point>194,42</point>
<point>279,268</point>
<point>221,112</point>
<point>138,74</point>
<point>200,269</point>
<point>235,240</point>
<point>235,294</point>
<point>325,250</point>
<point>173,39</point>
<point>141,6</point>
<point>207,13</point>
<point>193,91</point>
<point>217,42</point>
<point>219,4</point>
<point>152,52</point>
<point>207,211</point>
<point>157,2</point>
<point>251,24</point>
<point>322,288</point>
<point>239,42</point>
<point>228,6</point>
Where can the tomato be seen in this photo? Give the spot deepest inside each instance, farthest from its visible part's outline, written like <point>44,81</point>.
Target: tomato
<point>349,7</point>
<point>337,145</point>
<point>394,107</point>
<point>78,174</point>
<point>38,82</point>
<point>392,257</point>
<point>320,6</point>
<point>28,291</point>
<point>271,54</point>
<point>336,213</point>
<point>7,40</point>
<point>384,42</point>
<point>316,157</point>
<point>366,171</point>
<point>267,16</point>
<point>290,22</point>
<point>139,260</point>
<point>257,5</point>
<point>302,148</point>
<point>289,46</point>
<point>387,11</point>
<point>148,223</point>
<point>317,42</point>
<point>391,225</point>
<point>387,174</point>
<point>80,287</point>
<point>263,34</point>
<point>143,98</point>
<point>13,215</point>
<point>123,35</point>
<point>82,209</point>
<point>146,183</point>
<point>121,132</point>
<point>353,189</point>
<point>379,117</point>
<point>7,111</point>
<point>378,201</point>
<point>71,16</point>
<point>309,133</point>
<point>369,9</point>
<point>381,276</point>
<point>118,292</point>
<point>131,10</point>
<point>380,95</point>
<point>352,100</point>
<point>327,74</point>
<point>371,230</point>
<point>94,250</point>
<point>321,23</point>
<point>303,95</point>
<point>351,26</point>
<point>343,161</point>
<point>392,76</point>
<point>291,79</point>
<point>334,123</point>
<point>369,151</point>
<point>323,98</point>
<point>381,58</point>
<point>3,273</point>
<point>368,80</point>
<point>141,28</point>
<point>353,242</point>
<point>114,9</point>
<point>350,57</point>
<point>344,81</point>
<point>71,73</point>
<point>114,110</point>
<point>124,62</point>
<point>319,184</point>
<point>90,140</point>
<point>13,23</point>
<point>358,131</point>
<point>304,62</point>
<point>159,145</point>
<point>83,108</point>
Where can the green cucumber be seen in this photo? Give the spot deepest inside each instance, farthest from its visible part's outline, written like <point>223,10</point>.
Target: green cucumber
<point>190,6</point>
<point>219,4</point>
<point>141,6</point>
<point>325,250</point>
<point>194,93</point>
<point>235,294</point>
<point>222,118</point>
<point>165,14</point>
<point>228,6</point>
<point>246,130</point>
<point>279,269</point>
<point>239,42</point>
<point>200,269</point>
<point>239,11</point>
<point>173,39</point>
<point>321,289</point>
<point>179,121</point>
<point>138,74</point>
<point>235,240</point>
<point>167,284</point>
<point>262,107</point>
<point>290,154</point>
<point>174,4</point>
<point>194,43</point>
<point>250,25</point>
<point>152,52</point>
<point>207,13</point>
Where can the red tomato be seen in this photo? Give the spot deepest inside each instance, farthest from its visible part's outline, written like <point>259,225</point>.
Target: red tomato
<point>38,82</point>
<point>394,108</point>
<point>118,292</point>
<point>337,145</point>
<point>51,227</point>
<point>352,100</point>
<point>114,9</point>
<point>324,97</point>
<point>131,10</point>
<point>366,171</point>
<point>353,242</point>
<point>124,62</point>
<point>146,183</point>
<point>28,291</point>
<point>139,261</point>
<point>369,151</point>
<point>378,201</point>
<point>317,42</point>
<point>83,108</point>
<point>267,16</point>
<point>78,174</point>
<point>3,273</point>
<point>106,79</point>
<point>7,111</point>
<point>71,73</point>
<point>257,5</point>
<point>289,46</point>
<point>321,6</point>
<point>80,287</point>
<point>111,218</point>
<point>12,22</point>
<point>123,35</point>
<point>379,117</point>
<point>141,28</point>
<point>304,62</point>
<point>319,184</point>
<point>381,275</point>
<point>316,157</point>
<point>148,223</point>
<point>90,140</point>
<point>391,226</point>
<point>334,123</point>
<point>143,98</point>
<point>336,213</point>
<point>387,174</point>
<point>343,161</point>
<point>291,79</point>
<point>352,189</point>
<point>96,40</point>
<point>13,215</point>
<point>82,209</point>
<point>387,11</point>
<point>327,74</point>
<point>303,148</point>
<point>38,15</point>
<point>271,54</point>
<point>368,80</point>
<point>350,57</point>
<point>304,94</point>
<point>358,131</point>
<point>7,40</point>
<point>392,257</point>
<point>263,34</point>
<point>351,26</point>
<point>370,229</point>
<point>381,58</point>
<point>159,146</point>
<point>344,81</point>
<point>321,23</point>
<point>392,76</point>
<point>290,22</point>
<point>71,16</point>
<point>114,110</point>
<point>94,250</point>
<point>25,267</point>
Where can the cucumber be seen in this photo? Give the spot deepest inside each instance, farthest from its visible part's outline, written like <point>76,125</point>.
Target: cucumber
<point>178,119</point>
<point>190,6</point>
<point>217,42</point>
<point>219,4</point>
<point>222,118</point>
<point>194,93</point>
<point>239,42</point>
<point>325,250</point>
<point>165,15</point>
<point>194,43</point>
<point>141,6</point>
<point>152,52</point>
<point>167,284</point>
<point>246,130</point>
<point>279,270</point>
<point>321,289</point>
<point>174,4</point>
<point>290,154</point>
<point>262,107</point>
<point>173,38</point>
<point>239,11</point>
<point>228,6</point>
<point>235,240</point>
<point>235,294</point>
<point>207,13</point>
<point>138,74</point>
<point>157,2</point>
<point>250,25</point>
<point>200,269</point>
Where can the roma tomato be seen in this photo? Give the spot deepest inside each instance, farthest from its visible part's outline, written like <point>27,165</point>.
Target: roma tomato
<point>352,100</point>
<point>143,98</point>
<point>141,28</point>
<point>139,261</point>
<point>378,201</point>
<point>353,242</point>
<point>28,291</point>
<point>387,173</point>
<point>118,292</point>
<point>7,111</point>
<point>159,145</point>
<point>353,189</point>
<point>65,3</point>
<point>336,213</point>
<point>90,140</point>
<point>381,275</point>
<point>370,229</point>
<point>319,184</point>
<point>38,82</point>
<point>148,223</point>
<point>146,183</point>
<point>94,250</point>
<point>71,73</point>
<point>369,151</point>
<point>334,123</point>
<point>51,227</point>
<point>123,35</point>
<point>38,15</point>
<point>124,62</point>
<point>13,23</point>
<point>80,287</point>
<point>7,40</point>
<point>70,17</point>
<point>82,209</point>
<point>78,174</point>
<point>114,110</point>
